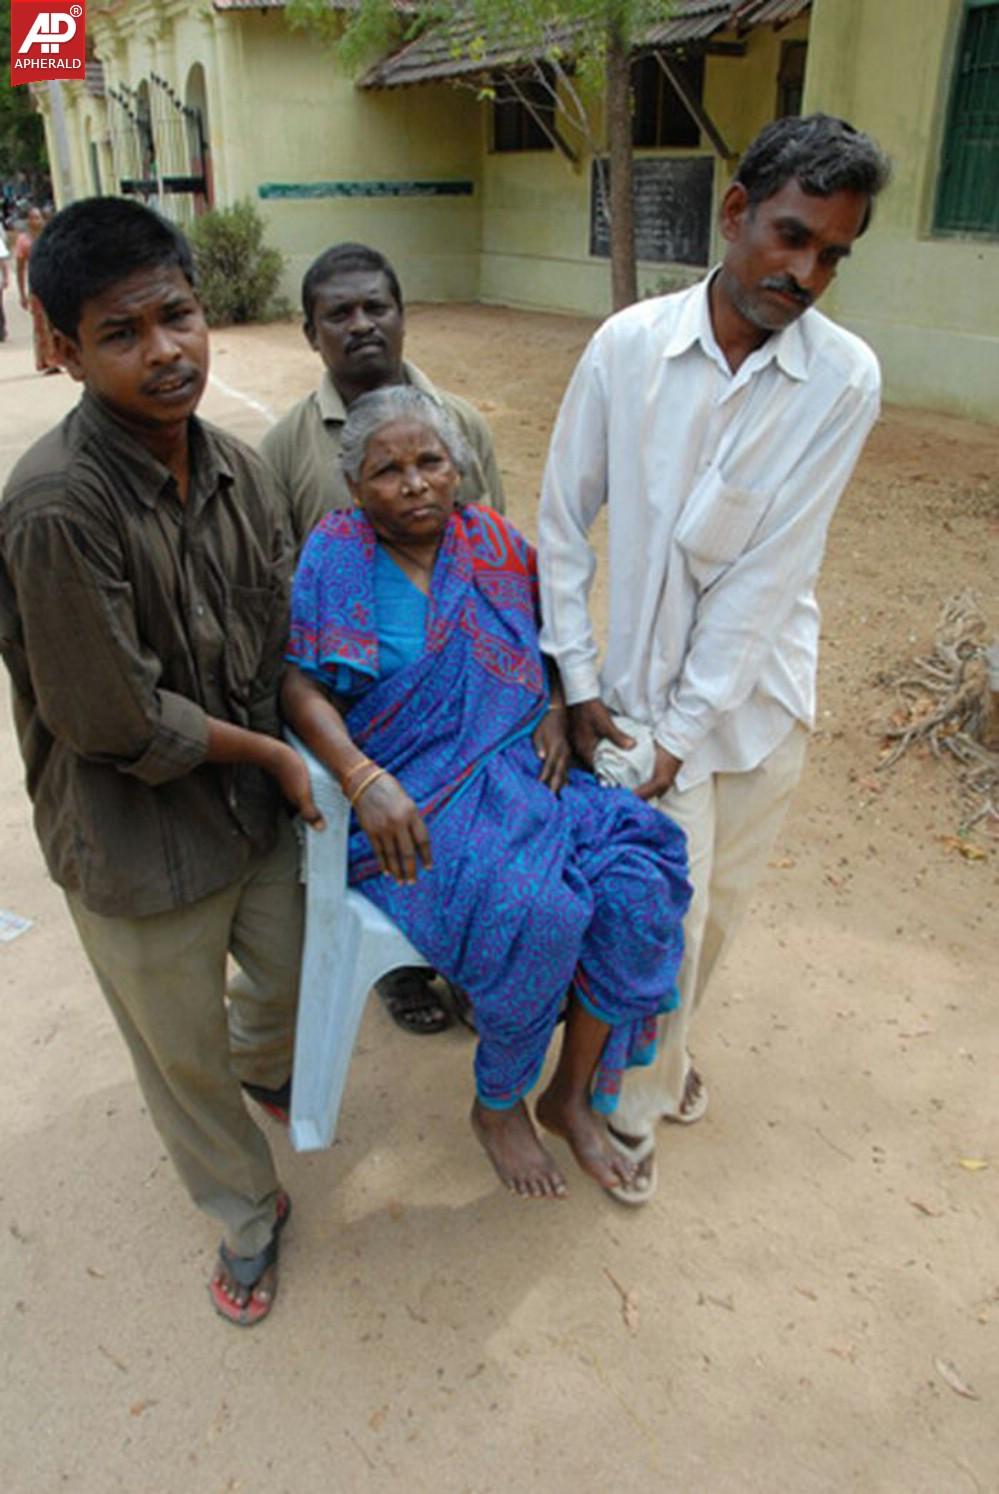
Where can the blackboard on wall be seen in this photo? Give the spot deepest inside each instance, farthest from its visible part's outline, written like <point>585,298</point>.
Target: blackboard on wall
<point>672,210</point>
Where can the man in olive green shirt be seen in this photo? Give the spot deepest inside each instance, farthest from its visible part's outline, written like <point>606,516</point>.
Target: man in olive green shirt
<point>143,614</point>
<point>353,318</point>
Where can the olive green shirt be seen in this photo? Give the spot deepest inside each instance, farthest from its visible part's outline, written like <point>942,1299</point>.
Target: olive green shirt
<point>303,452</point>
<point>127,618</point>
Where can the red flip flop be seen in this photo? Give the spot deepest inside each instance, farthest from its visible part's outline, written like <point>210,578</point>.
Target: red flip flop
<point>246,1271</point>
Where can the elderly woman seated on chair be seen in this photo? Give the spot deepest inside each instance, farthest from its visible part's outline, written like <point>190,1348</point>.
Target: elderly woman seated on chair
<point>420,684</point>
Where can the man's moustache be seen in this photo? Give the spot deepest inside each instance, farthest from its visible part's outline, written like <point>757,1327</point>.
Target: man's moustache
<point>182,374</point>
<point>787,287</point>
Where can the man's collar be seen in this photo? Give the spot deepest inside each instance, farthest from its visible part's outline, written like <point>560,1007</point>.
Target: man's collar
<point>208,462</point>
<point>787,348</point>
<point>330,401</point>
<point>331,406</point>
<point>693,322</point>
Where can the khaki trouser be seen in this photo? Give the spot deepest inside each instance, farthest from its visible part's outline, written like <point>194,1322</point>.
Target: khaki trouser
<point>731,821</point>
<point>164,978</point>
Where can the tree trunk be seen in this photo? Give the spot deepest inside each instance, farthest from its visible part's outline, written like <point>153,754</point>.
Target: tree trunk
<point>624,281</point>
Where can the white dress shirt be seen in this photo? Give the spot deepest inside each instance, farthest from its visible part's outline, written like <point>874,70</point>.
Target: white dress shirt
<point>719,489</point>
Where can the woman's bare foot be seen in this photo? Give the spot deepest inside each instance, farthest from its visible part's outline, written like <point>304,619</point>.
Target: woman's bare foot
<point>512,1146</point>
<point>574,1121</point>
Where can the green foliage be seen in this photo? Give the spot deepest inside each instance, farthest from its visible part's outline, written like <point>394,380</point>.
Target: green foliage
<point>372,27</point>
<point>22,136</point>
<point>590,61</point>
<point>238,275</point>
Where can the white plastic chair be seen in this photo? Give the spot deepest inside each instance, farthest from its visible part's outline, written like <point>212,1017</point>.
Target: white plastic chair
<point>349,944</point>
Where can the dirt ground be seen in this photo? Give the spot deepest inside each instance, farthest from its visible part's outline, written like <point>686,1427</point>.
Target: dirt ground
<point>817,1284</point>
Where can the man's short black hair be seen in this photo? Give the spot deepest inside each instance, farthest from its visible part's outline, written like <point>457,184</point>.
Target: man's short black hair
<point>821,153</point>
<point>341,259</point>
<point>92,245</point>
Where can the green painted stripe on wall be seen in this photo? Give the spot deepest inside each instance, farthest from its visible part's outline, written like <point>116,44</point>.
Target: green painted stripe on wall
<point>365,189</point>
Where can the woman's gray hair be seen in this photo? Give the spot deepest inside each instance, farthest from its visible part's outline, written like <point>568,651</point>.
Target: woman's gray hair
<point>397,402</point>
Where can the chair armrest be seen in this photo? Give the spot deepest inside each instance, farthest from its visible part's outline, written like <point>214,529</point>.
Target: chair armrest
<point>325,850</point>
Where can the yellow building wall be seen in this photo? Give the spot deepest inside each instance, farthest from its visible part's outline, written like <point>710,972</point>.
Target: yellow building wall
<point>320,127</point>
<point>927,303</point>
<point>536,206</point>
<point>279,113</point>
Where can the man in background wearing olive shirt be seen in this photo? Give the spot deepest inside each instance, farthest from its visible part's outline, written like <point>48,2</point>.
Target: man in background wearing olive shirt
<point>353,318</point>
<point>143,615</point>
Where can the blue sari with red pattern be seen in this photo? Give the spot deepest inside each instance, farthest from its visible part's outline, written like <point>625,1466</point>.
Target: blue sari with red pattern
<point>530,893</point>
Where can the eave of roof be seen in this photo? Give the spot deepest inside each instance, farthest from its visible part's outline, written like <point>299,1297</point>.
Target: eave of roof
<point>454,50</point>
<point>406,6</point>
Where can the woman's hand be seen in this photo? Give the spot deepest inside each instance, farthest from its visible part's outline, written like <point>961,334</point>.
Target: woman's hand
<point>396,829</point>
<point>551,743</point>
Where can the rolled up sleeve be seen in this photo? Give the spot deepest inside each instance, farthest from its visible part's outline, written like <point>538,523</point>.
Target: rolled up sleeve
<point>96,685</point>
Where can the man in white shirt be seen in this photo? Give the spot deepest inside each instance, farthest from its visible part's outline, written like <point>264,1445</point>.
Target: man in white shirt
<point>719,426</point>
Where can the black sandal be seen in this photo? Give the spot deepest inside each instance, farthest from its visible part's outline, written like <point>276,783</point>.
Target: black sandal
<point>409,998</point>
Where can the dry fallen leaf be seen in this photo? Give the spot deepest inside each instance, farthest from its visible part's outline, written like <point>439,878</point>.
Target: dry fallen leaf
<point>965,848</point>
<point>948,1373</point>
<point>783,863</point>
<point>137,1408</point>
<point>925,1208</point>
<point>973,1164</point>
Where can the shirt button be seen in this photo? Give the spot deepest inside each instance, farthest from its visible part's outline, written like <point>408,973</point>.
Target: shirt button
<point>199,609</point>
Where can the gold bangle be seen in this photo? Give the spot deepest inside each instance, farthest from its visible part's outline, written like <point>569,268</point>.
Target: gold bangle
<point>359,767</point>
<point>365,784</point>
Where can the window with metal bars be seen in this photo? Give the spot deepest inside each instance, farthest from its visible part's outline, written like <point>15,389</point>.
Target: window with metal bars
<point>968,187</point>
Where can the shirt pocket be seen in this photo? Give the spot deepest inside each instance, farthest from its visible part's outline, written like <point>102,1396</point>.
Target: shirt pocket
<point>247,650</point>
<point>717,523</point>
